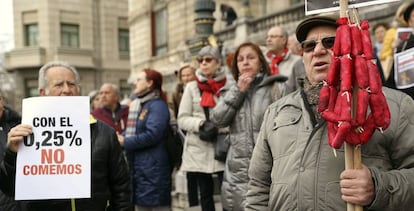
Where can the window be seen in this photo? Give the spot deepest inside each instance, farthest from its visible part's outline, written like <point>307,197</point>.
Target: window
<point>69,35</point>
<point>292,2</point>
<point>159,32</point>
<point>123,40</point>
<point>31,87</point>
<point>31,35</point>
<point>125,88</point>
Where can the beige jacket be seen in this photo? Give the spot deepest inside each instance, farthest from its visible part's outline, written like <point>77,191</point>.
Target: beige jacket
<point>198,155</point>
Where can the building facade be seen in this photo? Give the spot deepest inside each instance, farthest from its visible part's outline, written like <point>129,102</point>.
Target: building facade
<point>162,31</point>
<point>92,35</point>
<point>112,40</point>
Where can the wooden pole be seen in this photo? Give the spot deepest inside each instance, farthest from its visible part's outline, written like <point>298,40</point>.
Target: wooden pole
<point>352,152</point>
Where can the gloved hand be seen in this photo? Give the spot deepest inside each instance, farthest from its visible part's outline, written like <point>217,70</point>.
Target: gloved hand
<point>208,131</point>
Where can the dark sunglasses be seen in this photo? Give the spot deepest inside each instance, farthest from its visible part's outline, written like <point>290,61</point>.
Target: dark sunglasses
<point>309,45</point>
<point>207,59</point>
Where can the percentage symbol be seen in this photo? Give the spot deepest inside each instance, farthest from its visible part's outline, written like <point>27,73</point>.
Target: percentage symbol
<point>73,138</point>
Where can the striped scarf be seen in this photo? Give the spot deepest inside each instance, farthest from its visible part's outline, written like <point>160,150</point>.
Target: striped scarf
<point>134,109</point>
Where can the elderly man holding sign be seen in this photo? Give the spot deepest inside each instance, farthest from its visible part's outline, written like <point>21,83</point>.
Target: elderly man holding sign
<point>110,180</point>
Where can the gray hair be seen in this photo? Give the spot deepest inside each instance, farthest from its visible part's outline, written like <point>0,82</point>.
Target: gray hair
<point>44,68</point>
<point>115,88</point>
<point>210,50</point>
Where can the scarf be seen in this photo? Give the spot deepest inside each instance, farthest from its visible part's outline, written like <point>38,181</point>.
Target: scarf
<point>274,65</point>
<point>312,96</point>
<point>210,87</point>
<point>135,109</point>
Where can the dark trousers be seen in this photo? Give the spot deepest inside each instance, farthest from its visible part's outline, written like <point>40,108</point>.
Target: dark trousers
<point>204,182</point>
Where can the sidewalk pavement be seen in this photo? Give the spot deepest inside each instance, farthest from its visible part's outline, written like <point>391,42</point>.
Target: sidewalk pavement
<point>180,203</point>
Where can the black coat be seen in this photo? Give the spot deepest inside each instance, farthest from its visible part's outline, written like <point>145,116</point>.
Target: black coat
<point>9,119</point>
<point>110,177</point>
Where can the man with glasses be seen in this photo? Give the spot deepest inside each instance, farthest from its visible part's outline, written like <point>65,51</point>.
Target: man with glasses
<point>294,168</point>
<point>282,60</point>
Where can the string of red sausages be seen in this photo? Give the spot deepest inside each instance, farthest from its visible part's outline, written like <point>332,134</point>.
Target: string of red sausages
<point>352,63</point>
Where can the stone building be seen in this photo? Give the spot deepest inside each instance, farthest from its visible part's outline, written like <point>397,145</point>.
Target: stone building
<point>92,35</point>
<point>164,32</point>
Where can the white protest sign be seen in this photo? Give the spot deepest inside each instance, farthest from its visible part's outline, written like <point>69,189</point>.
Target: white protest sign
<point>55,161</point>
<point>404,69</point>
<point>321,6</point>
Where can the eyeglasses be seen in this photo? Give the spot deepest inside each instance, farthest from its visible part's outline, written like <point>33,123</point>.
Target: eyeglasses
<point>309,45</point>
<point>207,59</point>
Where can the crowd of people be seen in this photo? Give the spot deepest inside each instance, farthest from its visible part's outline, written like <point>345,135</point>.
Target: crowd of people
<point>265,115</point>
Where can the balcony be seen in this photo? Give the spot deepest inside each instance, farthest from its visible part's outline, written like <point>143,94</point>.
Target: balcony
<point>75,56</point>
<point>25,57</point>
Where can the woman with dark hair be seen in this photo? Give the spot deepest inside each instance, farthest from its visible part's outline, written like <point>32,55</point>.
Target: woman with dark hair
<point>147,125</point>
<point>242,107</point>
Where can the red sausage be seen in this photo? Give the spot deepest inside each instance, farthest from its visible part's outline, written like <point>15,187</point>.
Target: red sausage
<point>366,40</point>
<point>362,106</point>
<point>361,72</point>
<point>346,73</point>
<point>356,40</point>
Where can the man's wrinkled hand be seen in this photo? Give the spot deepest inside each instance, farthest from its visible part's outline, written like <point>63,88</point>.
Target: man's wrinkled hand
<point>357,186</point>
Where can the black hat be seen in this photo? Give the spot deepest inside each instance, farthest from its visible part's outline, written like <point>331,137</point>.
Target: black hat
<point>305,26</point>
<point>407,12</point>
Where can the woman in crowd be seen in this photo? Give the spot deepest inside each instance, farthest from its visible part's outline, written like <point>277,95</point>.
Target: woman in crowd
<point>186,73</point>
<point>94,99</point>
<point>198,99</point>
<point>242,107</point>
<point>148,121</point>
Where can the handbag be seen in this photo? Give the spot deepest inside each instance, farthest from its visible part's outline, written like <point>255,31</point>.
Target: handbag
<point>208,131</point>
<point>221,147</point>
<point>221,140</point>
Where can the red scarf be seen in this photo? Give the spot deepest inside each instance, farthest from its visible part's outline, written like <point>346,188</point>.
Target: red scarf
<point>209,89</point>
<point>274,66</point>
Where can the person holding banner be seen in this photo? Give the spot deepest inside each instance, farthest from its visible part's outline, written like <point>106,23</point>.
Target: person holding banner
<point>294,168</point>
<point>111,184</point>
<point>400,79</point>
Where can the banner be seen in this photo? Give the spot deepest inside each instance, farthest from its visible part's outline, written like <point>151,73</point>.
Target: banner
<point>321,6</point>
<point>54,162</point>
<point>404,69</point>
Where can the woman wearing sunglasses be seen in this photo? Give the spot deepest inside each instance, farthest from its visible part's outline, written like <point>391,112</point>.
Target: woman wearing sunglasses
<point>199,97</point>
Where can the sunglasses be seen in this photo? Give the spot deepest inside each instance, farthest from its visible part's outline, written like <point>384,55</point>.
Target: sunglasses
<point>207,59</point>
<point>309,45</point>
